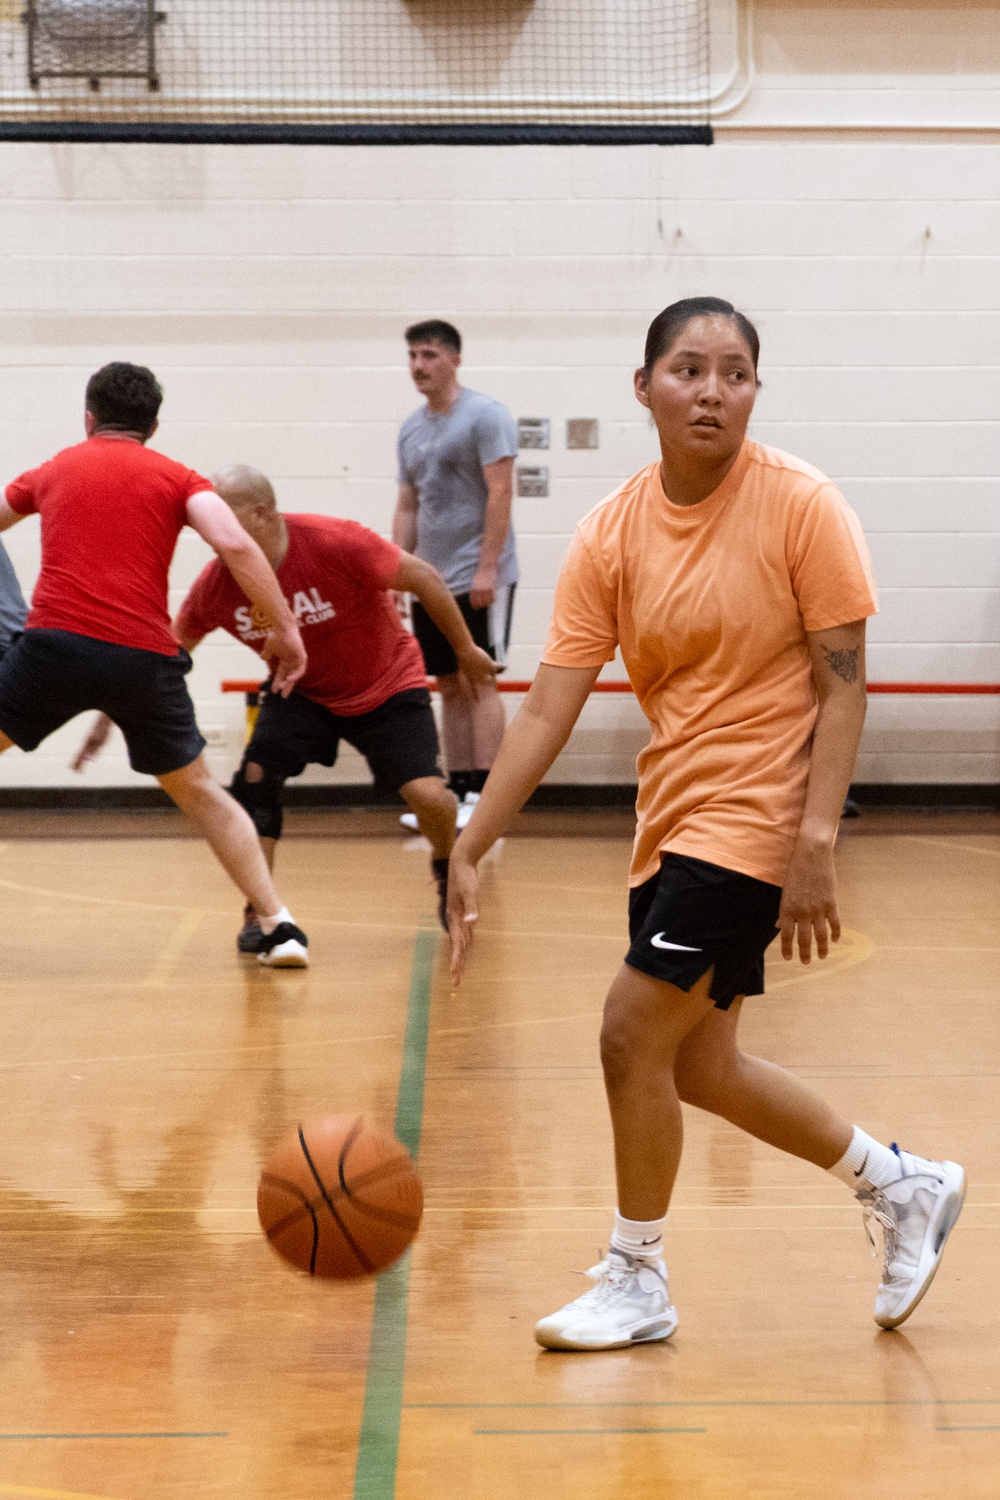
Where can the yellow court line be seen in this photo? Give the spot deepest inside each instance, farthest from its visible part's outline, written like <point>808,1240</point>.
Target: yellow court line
<point>312,919</point>
<point>124,1057</point>
<point>172,950</point>
<point>216,911</point>
<point>248,1216</point>
<point>616,890</point>
<point>621,938</point>
<point>933,948</point>
<point>42,890</point>
<point>20,1489</point>
<point>853,948</point>
<point>929,838</point>
<point>856,947</point>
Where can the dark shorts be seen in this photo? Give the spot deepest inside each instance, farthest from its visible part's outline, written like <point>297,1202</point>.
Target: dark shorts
<point>49,676</point>
<point>398,739</point>
<point>489,628</point>
<point>692,917</point>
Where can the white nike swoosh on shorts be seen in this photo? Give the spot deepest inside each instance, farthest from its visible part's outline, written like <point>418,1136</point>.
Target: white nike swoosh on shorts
<point>677,947</point>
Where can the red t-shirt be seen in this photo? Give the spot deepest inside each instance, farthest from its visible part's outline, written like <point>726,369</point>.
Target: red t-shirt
<point>111,513</point>
<point>334,576</point>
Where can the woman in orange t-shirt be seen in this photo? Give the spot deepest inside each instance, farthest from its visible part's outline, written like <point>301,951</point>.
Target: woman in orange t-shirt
<point>735,580</point>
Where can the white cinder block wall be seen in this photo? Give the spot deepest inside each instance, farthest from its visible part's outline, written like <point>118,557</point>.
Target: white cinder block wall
<point>269,289</point>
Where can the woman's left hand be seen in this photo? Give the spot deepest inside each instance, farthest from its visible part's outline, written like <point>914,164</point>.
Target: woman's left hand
<point>809,903</point>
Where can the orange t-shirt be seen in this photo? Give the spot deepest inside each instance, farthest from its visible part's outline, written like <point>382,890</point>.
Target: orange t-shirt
<point>710,604</point>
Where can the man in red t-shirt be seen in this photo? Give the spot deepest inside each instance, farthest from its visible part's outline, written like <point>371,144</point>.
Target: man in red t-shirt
<point>99,636</point>
<point>365,681</point>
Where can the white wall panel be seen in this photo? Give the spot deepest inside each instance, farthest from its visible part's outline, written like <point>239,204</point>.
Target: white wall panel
<point>929,661</point>
<point>920,560</point>
<point>911,616</point>
<point>920,449</point>
<point>269,289</point>
<point>915,394</point>
<point>919,505</point>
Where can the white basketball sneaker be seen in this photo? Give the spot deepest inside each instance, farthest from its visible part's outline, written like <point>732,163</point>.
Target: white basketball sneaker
<point>630,1304</point>
<point>465,811</point>
<point>466,808</point>
<point>916,1215</point>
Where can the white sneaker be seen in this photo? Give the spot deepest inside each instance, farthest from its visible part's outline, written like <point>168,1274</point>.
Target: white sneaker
<point>916,1215</point>
<point>466,808</point>
<point>629,1305</point>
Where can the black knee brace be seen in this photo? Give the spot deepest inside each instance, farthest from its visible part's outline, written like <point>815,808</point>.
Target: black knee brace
<point>261,796</point>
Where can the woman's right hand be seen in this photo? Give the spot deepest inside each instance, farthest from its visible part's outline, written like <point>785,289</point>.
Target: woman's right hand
<point>463,911</point>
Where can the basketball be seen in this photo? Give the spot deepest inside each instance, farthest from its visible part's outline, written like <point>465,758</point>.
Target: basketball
<point>338,1199</point>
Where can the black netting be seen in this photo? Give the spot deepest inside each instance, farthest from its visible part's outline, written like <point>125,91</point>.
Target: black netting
<point>361,69</point>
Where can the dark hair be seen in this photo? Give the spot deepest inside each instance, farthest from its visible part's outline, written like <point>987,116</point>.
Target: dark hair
<point>125,397</point>
<point>435,330</point>
<point>666,326</point>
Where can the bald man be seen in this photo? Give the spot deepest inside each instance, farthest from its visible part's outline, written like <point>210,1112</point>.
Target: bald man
<point>365,681</point>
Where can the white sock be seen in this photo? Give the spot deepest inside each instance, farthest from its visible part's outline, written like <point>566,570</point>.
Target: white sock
<point>268,924</point>
<point>642,1237</point>
<point>867,1164</point>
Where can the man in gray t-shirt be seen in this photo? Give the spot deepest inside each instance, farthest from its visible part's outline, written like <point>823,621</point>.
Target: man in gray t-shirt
<point>456,465</point>
<point>13,610</point>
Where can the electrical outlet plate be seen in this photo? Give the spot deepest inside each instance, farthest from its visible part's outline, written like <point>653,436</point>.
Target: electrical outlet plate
<point>582,432</point>
<point>532,483</point>
<point>532,432</point>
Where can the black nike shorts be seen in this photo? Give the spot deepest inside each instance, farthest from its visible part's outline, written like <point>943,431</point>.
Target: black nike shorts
<point>47,677</point>
<point>693,916</point>
<point>489,628</point>
<point>398,739</point>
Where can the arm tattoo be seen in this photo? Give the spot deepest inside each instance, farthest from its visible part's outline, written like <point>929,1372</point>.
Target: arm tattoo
<point>844,663</point>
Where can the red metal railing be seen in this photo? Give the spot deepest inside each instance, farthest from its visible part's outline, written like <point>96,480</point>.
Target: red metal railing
<point>241,685</point>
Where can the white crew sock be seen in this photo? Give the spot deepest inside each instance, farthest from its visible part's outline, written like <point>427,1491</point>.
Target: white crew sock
<point>268,924</point>
<point>642,1237</point>
<point>867,1164</point>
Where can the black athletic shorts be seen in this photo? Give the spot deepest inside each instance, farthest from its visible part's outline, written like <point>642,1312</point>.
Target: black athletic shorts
<point>49,676</point>
<point>692,917</point>
<point>489,628</point>
<point>398,739</point>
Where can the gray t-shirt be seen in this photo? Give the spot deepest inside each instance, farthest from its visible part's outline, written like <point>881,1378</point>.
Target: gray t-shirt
<point>441,454</point>
<point>13,610</point>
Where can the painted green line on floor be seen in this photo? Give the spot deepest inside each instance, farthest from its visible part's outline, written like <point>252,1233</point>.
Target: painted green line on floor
<point>410,1098</point>
<point>38,1437</point>
<point>378,1446</point>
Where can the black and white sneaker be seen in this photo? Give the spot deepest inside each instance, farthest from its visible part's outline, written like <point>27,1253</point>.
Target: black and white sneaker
<point>439,869</point>
<point>250,938</point>
<point>287,947</point>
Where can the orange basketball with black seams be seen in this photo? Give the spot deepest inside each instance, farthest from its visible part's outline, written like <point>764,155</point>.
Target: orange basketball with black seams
<point>338,1199</point>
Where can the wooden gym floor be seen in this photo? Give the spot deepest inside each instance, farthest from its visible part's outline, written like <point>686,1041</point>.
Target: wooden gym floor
<point>152,1345</point>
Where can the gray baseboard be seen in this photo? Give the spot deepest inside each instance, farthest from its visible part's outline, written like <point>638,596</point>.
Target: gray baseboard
<point>952,796</point>
<point>944,796</point>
